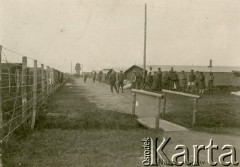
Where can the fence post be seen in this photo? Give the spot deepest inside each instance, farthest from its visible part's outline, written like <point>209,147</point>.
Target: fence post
<point>18,79</point>
<point>53,80</point>
<point>47,75</point>
<point>195,103</point>
<point>134,103</point>
<point>158,113</point>
<point>42,83</point>
<point>164,103</point>
<point>34,94</point>
<point>24,88</point>
<point>1,111</point>
<point>9,81</point>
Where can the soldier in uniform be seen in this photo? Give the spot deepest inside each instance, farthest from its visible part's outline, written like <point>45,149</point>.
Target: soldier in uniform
<point>191,79</point>
<point>100,76</point>
<point>183,81</point>
<point>120,78</point>
<point>210,83</point>
<point>159,79</point>
<point>139,80</point>
<point>197,81</point>
<point>175,80</point>
<point>171,78</point>
<point>165,81</point>
<point>112,81</point>
<point>133,80</point>
<point>149,81</point>
<point>94,76</point>
<point>85,77</point>
<point>201,85</point>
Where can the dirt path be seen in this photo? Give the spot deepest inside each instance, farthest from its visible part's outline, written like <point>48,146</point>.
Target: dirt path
<point>101,95</point>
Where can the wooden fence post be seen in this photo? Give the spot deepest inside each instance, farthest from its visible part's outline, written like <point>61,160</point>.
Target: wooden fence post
<point>164,103</point>
<point>9,81</point>
<point>34,94</point>
<point>53,80</point>
<point>24,88</point>
<point>195,103</point>
<point>42,82</point>
<point>134,103</point>
<point>1,111</point>
<point>47,75</point>
<point>18,79</point>
<point>158,113</point>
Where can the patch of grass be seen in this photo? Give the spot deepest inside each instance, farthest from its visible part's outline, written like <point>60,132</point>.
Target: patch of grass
<point>89,120</point>
<point>83,148</point>
<point>215,113</point>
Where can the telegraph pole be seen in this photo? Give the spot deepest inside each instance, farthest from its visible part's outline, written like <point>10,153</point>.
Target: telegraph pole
<point>145,42</point>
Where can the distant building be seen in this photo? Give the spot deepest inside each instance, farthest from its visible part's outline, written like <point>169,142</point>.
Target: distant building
<point>223,75</point>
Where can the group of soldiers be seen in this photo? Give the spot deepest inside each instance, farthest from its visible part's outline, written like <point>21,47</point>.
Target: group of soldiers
<point>170,80</point>
<point>194,82</point>
<point>115,81</point>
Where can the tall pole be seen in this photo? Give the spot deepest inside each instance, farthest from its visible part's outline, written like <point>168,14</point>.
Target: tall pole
<point>145,42</point>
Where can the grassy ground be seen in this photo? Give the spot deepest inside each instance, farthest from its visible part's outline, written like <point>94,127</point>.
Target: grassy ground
<point>75,132</point>
<point>218,113</point>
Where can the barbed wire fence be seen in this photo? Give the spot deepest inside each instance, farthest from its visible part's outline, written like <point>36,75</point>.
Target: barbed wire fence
<point>25,85</point>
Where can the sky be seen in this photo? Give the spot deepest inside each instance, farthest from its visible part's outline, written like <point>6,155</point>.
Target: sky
<point>110,33</point>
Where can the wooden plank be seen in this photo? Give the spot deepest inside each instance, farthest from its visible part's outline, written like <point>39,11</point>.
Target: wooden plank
<point>34,94</point>
<point>164,103</point>
<point>149,122</point>
<point>147,93</point>
<point>181,93</point>
<point>195,103</point>
<point>158,113</point>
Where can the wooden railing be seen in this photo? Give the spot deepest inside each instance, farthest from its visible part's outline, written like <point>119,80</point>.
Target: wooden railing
<point>195,101</point>
<point>159,97</point>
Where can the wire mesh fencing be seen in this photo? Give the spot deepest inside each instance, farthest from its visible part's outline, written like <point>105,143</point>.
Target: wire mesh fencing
<point>25,85</point>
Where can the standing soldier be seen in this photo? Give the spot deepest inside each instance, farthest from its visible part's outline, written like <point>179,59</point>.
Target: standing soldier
<point>191,79</point>
<point>139,80</point>
<point>175,80</point>
<point>159,79</point>
<point>201,83</point>
<point>133,79</point>
<point>183,80</point>
<point>149,81</point>
<point>120,81</point>
<point>85,77</point>
<point>100,76</point>
<point>165,81</point>
<point>210,83</point>
<point>94,76</point>
<point>112,81</point>
<point>78,68</point>
<point>197,81</point>
<point>170,75</point>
